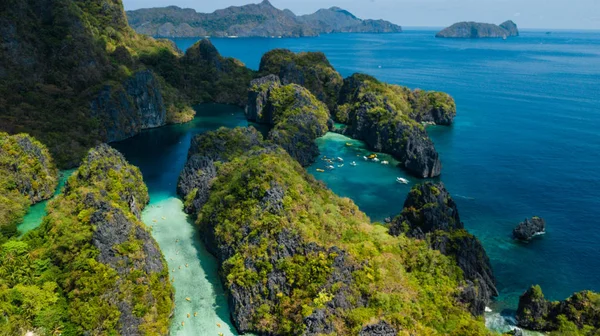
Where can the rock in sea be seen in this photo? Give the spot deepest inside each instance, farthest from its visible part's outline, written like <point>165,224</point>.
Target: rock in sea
<point>529,228</point>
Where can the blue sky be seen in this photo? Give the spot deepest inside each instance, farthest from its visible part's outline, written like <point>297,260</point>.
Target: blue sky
<point>557,14</point>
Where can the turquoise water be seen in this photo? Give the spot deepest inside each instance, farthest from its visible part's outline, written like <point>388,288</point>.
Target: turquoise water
<point>161,154</point>
<point>525,141</point>
<point>37,212</point>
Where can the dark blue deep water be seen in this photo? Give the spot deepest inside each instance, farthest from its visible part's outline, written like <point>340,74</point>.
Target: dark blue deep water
<point>525,142</point>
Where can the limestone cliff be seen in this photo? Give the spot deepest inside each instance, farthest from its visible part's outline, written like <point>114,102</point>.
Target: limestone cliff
<point>430,214</point>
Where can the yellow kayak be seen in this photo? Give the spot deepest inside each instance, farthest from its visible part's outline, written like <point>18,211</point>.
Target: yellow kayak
<point>321,170</point>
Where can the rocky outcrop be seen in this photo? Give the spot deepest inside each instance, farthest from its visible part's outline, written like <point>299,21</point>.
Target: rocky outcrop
<point>261,20</point>
<point>126,110</point>
<point>311,70</point>
<point>430,214</point>
<point>479,30</point>
<point>297,118</point>
<point>379,329</point>
<point>297,260</point>
<point>581,311</point>
<point>432,107</point>
<point>379,114</point>
<point>27,176</point>
<point>529,229</point>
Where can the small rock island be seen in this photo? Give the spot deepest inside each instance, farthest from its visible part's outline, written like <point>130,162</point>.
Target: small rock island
<point>529,229</point>
<point>479,30</point>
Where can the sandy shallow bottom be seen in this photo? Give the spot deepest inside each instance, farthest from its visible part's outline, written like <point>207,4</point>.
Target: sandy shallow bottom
<point>193,271</point>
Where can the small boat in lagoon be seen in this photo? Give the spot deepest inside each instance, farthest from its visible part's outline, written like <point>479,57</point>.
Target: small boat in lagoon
<point>402,180</point>
<point>353,163</point>
<point>385,162</point>
<point>349,144</point>
<point>340,159</point>
<point>321,170</point>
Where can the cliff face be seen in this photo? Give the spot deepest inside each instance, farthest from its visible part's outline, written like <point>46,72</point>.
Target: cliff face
<point>27,176</point>
<point>479,30</point>
<point>126,109</point>
<point>298,260</point>
<point>296,116</point>
<point>92,267</point>
<point>379,114</point>
<point>430,214</point>
<point>259,20</point>
<point>579,314</point>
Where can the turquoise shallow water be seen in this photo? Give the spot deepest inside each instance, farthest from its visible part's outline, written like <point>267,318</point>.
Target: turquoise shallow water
<point>161,154</point>
<point>525,141</point>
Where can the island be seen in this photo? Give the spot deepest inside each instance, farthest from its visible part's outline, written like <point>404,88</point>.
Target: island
<point>252,20</point>
<point>480,30</point>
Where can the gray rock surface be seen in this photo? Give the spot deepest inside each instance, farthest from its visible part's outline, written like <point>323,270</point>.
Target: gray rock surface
<point>529,228</point>
<point>126,109</point>
<point>479,30</point>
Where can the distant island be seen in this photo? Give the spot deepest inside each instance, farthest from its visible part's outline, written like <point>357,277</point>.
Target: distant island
<point>254,20</point>
<point>480,30</point>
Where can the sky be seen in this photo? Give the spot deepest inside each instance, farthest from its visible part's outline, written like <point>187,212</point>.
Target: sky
<point>551,14</point>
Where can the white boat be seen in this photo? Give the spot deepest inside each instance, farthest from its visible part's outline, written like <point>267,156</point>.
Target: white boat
<point>385,162</point>
<point>375,160</point>
<point>340,166</point>
<point>330,167</point>
<point>353,163</point>
<point>402,180</point>
<point>366,158</point>
<point>340,159</point>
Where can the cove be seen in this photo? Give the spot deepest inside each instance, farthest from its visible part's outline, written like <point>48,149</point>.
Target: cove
<point>37,212</point>
<point>161,154</point>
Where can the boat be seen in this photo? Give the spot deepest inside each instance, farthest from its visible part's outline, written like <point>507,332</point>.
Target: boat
<point>330,167</point>
<point>340,166</point>
<point>340,159</point>
<point>366,158</point>
<point>375,160</point>
<point>348,144</point>
<point>353,163</point>
<point>372,156</point>
<point>402,180</point>
<point>385,162</point>
<point>320,170</point>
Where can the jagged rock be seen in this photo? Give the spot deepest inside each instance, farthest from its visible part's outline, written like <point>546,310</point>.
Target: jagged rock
<point>259,109</point>
<point>126,110</point>
<point>379,114</point>
<point>381,328</point>
<point>430,213</point>
<point>529,228</point>
<point>516,332</point>
<point>536,313</point>
<point>479,30</point>
<point>311,70</point>
<point>296,116</point>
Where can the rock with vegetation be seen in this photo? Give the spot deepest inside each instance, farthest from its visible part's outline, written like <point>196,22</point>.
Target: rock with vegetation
<point>297,118</point>
<point>380,115</point>
<point>253,20</point>
<point>479,30</point>
<point>577,315</point>
<point>296,259</point>
<point>432,107</point>
<point>202,74</point>
<point>311,70</point>
<point>430,214</point>
<point>92,267</point>
<point>529,228</point>
<point>27,176</point>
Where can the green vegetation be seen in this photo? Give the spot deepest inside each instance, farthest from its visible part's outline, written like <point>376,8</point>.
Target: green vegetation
<point>66,52</point>
<point>579,315</point>
<point>27,176</point>
<point>92,267</point>
<point>311,70</point>
<point>269,219</point>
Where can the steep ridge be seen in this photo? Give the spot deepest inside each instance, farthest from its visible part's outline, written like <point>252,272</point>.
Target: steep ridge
<point>296,259</point>
<point>430,214</point>
<point>92,267</point>
<point>258,20</point>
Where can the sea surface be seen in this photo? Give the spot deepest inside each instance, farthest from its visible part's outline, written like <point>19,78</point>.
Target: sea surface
<point>526,141</point>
